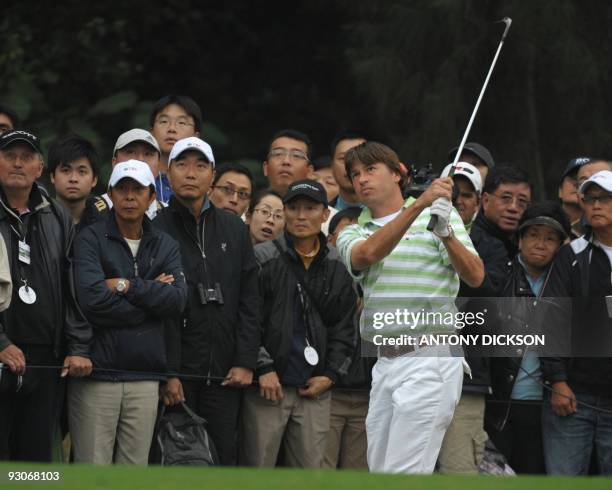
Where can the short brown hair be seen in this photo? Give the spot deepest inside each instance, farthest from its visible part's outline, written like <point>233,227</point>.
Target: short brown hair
<point>371,152</point>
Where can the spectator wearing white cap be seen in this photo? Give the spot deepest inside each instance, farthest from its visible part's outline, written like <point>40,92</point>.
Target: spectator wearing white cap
<point>477,155</point>
<point>129,282</point>
<point>219,333</point>
<point>466,198</point>
<point>138,144</point>
<point>568,193</point>
<point>577,415</point>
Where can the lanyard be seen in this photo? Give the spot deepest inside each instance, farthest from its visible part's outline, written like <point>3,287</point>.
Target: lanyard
<point>26,293</point>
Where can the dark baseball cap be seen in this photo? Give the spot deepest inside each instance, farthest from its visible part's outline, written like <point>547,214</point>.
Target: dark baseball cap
<point>19,135</point>
<point>475,149</point>
<point>574,164</point>
<point>306,188</point>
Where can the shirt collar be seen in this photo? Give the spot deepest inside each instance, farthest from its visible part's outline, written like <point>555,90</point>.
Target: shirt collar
<point>205,206</point>
<point>341,204</point>
<point>535,283</point>
<point>366,215</point>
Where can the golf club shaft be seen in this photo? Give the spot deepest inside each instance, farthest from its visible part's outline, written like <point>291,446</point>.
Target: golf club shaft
<point>508,22</point>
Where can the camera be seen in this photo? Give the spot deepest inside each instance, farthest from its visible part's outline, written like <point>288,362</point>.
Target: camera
<point>210,295</point>
<point>420,179</point>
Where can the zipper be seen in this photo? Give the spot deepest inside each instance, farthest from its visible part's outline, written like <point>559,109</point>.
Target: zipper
<point>201,245</point>
<point>200,240</point>
<point>126,247</point>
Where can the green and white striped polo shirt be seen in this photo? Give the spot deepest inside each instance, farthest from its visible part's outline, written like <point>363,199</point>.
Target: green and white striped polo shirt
<point>415,276</point>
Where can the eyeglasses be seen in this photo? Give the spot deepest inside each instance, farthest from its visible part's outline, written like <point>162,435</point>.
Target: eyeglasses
<point>266,213</point>
<point>293,154</point>
<point>180,122</point>
<point>508,199</point>
<point>230,191</point>
<point>603,198</point>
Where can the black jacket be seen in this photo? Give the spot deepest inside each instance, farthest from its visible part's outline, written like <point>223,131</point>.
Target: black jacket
<point>495,249</point>
<point>581,271</point>
<point>129,328</point>
<point>49,226</point>
<point>520,316</point>
<point>330,313</point>
<point>214,337</point>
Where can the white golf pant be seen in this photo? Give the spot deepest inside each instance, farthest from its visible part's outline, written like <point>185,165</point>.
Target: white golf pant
<point>412,402</point>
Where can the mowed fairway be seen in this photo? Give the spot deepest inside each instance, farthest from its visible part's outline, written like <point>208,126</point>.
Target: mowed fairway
<point>122,477</point>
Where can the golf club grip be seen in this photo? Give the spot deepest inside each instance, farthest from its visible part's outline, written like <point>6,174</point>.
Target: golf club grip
<point>433,221</point>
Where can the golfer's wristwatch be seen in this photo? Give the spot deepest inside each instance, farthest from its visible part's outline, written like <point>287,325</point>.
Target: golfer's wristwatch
<point>451,233</point>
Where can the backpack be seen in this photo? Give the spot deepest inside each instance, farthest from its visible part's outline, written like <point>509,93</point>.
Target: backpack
<point>181,439</point>
<point>494,462</point>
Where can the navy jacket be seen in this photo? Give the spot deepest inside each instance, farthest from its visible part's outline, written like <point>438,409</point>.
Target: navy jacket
<point>128,329</point>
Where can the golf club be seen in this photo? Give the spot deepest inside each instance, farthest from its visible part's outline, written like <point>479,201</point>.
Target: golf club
<point>508,22</point>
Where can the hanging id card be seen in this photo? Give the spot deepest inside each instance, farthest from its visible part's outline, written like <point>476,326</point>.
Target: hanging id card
<point>24,252</point>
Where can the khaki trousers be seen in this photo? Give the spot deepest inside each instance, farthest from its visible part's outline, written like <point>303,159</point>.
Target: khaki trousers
<point>463,446</point>
<point>112,418</point>
<point>301,424</point>
<point>347,444</point>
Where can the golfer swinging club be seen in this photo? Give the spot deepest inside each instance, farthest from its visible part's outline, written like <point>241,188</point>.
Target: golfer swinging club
<point>398,262</point>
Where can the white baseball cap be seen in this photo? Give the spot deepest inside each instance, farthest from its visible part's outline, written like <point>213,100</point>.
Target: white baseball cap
<point>136,135</point>
<point>192,143</point>
<point>603,179</point>
<point>132,169</point>
<point>467,170</point>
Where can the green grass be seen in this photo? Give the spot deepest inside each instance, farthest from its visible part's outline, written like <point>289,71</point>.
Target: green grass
<point>133,478</point>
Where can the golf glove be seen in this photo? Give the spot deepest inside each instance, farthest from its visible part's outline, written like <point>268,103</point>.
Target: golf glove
<point>441,208</point>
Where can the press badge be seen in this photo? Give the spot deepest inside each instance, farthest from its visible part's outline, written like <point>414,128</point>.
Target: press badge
<point>24,252</point>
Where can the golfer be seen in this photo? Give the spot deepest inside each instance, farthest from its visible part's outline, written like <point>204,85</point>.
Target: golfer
<point>399,263</point>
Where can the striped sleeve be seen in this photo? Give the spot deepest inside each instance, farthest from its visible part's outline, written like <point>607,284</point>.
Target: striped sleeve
<point>347,239</point>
